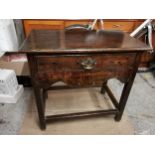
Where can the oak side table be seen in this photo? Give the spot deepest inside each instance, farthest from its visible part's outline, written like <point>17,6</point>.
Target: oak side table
<point>81,58</point>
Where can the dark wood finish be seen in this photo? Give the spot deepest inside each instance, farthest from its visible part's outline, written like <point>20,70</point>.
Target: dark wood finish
<point>112,97</point>
<point>81,114</point>
<point>126,25</point>
<point>81,59</point>
<point>74,41</point>
<point>24,80</point>
<point>126,90</point>
<point>40,107</point>
<point>70,68</point>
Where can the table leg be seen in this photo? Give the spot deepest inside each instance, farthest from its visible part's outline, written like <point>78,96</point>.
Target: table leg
<point>123,100</point>
<point>103,90</point>
<point>126,90</point>
<point>40,107</point>
<point>45,96</point>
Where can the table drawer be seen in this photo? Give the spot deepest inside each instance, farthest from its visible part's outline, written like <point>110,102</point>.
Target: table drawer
<point>84,63</point>
<point>127,26</point>
<point>83,70</point>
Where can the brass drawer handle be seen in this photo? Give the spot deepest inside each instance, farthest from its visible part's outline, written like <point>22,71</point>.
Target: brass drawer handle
<point>116,26</point>
<point>88,63</point>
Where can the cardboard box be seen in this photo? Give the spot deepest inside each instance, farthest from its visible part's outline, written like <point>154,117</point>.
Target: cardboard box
<point>20,68</point>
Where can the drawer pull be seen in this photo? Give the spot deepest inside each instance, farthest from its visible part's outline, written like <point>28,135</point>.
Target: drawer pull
<point>88,63</point>
<point>116,26</point>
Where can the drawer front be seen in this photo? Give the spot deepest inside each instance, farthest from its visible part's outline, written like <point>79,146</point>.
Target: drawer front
<point>127,26</point>
<point>124,25</point>
<point>42,24</point>
<point>84,63</point>
<point>83,70</point>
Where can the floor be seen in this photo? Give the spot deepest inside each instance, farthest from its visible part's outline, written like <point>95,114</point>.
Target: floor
<point>12,115</point>
<point>76,100</point>
<point>140,107</point>
<point>141,103</point>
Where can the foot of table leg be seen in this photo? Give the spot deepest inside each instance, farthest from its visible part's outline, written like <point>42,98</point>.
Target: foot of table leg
<point>118,117</point>
<point>124,97</point>
<point>40,107</point>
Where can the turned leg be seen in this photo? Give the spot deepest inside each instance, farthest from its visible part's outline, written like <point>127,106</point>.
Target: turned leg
<point>40,107</point>
<point>103,87</point>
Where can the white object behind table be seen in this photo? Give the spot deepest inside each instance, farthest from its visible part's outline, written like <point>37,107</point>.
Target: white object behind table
<point>8,36</point>
<point>10,91</point>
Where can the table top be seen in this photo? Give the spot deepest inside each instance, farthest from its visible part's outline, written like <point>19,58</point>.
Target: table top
<point>62,41</point>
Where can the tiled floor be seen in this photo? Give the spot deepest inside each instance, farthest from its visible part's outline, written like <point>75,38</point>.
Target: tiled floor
<point>12,115</point>
<point>75,100</point>
<point>140,106</point>
<point>141,103</point>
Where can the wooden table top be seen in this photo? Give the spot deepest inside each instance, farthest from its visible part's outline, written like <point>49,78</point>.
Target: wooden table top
<point>75,41</point>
